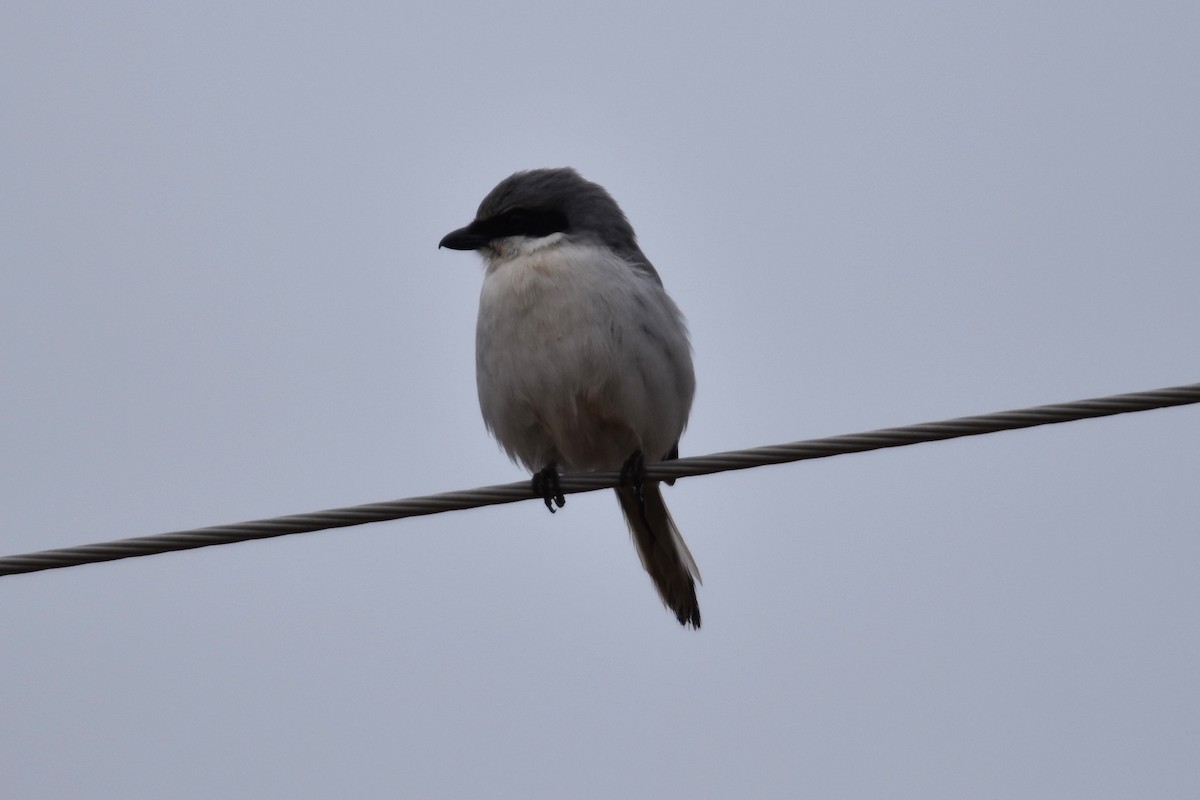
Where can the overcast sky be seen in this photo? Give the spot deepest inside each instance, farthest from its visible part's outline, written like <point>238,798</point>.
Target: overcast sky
<point>223,300</point>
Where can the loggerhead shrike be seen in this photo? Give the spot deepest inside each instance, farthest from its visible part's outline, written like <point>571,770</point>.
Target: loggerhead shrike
<point>582,360</point>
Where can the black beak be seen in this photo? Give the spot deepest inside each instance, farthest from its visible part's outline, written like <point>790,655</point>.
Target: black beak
<point>468,238</point>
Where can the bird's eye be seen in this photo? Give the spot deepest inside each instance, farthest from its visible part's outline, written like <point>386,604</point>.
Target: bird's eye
<point>532,222</point>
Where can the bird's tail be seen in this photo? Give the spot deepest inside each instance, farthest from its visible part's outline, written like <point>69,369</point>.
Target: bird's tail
<point>662,550</point>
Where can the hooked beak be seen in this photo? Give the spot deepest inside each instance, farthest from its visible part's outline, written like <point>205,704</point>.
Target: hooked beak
<point>468,238</point>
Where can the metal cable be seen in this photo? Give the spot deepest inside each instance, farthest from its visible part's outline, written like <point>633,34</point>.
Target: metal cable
<point>593,481</point>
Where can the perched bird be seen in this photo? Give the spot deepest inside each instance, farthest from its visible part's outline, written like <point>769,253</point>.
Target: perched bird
<point>582,360</point>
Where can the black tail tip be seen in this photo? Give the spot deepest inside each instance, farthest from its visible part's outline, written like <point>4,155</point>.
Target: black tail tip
<point>689,617</point>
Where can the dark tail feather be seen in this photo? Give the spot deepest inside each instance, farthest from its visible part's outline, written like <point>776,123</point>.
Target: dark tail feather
<point>663,553</point>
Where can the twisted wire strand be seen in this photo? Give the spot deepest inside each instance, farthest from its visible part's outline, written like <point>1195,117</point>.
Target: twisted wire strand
<point>593,481</point>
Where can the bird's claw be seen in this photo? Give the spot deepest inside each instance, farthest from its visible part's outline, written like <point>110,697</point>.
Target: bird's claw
<point>633,474</point>
<point>545,485</point>
<point>671,456</point>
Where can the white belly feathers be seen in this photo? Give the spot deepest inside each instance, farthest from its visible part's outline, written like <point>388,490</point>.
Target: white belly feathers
<point>580,358</point>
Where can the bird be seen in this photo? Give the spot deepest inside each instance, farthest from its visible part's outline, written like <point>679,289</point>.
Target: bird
<point>582,360</point>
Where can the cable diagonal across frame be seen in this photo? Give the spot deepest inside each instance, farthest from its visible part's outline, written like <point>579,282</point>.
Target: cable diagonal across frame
<point>574,483</point>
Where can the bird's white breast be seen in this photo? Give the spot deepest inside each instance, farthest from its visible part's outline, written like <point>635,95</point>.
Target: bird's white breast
<point>566,368</point>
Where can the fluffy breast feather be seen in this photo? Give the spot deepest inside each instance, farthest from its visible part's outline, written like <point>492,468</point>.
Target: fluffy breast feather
<point>580,359</point>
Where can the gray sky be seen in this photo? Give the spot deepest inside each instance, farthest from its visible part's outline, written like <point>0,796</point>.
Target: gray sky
<point>223,301</point>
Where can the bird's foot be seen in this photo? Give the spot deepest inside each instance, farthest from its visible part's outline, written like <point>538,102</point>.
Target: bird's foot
<point>545,485</point>
<point>633,474</point>
<point>671,456</point>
